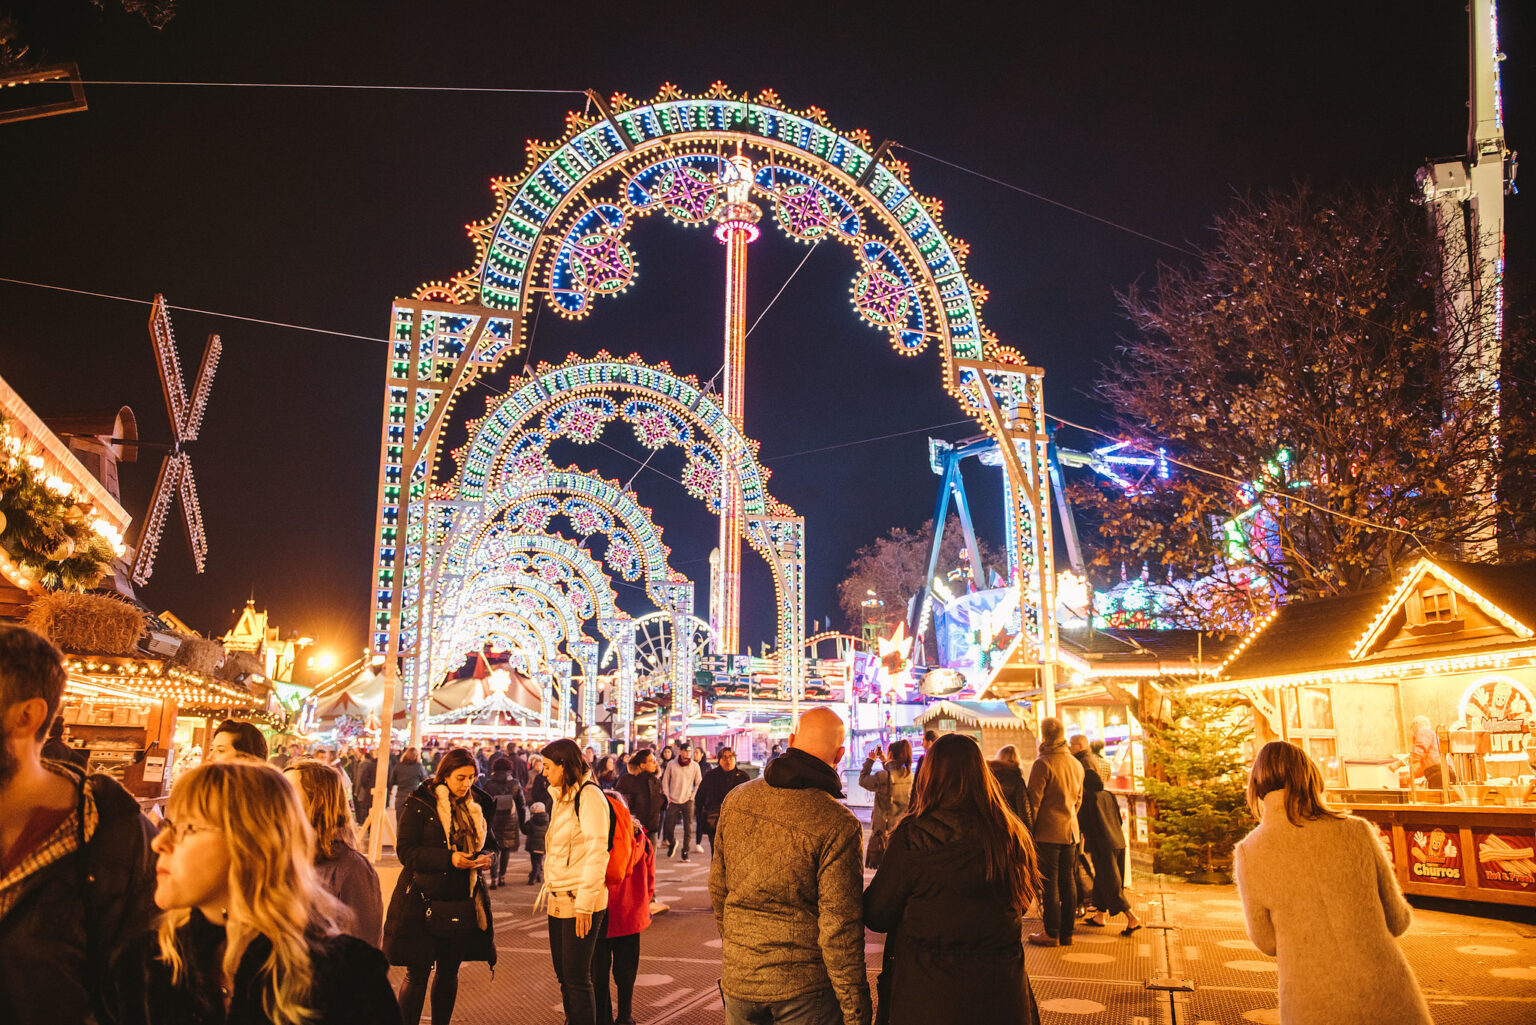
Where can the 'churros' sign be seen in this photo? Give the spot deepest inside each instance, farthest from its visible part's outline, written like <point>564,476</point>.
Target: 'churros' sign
<point>1434,855</point>
<point>1506,861</point>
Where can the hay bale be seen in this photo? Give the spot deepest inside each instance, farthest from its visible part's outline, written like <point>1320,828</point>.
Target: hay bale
<point>199,655</point>
<point>88,624</point>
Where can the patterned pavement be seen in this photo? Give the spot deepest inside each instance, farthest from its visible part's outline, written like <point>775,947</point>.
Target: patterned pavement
<point>1474,971</point>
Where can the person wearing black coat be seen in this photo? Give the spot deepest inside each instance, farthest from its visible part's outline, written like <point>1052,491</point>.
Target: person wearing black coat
<point>537,827</point>
<point>72,918</point>
<point>1104,843</point>
<point>233,879</point>
<point>641,789</point>
<point>1010,778</point>
<point>717,782</point>
<point>510,814</point>
<point>350,981</point>
<point>362,786</point>
<point>538,786</point>
<point>444,843</point>
<point>946,917</point>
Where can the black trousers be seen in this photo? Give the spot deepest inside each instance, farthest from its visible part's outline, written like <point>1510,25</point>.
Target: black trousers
<point>572,956</point>
<point>1058,886</point>
<point>445,991</point>
<point>621,956</point>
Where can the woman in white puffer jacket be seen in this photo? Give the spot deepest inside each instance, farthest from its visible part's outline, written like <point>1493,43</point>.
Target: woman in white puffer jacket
<point>575,891</point>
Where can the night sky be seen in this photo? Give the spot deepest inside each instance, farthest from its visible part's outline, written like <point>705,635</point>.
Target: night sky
<point>319,207</point>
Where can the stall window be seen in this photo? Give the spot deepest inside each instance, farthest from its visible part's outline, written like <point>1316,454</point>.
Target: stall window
<point>1309,725</point>
<point>1439,606</point>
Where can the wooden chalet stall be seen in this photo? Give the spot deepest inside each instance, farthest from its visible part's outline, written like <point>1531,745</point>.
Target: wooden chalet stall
<point>991,724</point>
<point>1345,677</point>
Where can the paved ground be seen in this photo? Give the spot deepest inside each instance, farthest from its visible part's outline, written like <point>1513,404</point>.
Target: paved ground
<point>1473,969</point>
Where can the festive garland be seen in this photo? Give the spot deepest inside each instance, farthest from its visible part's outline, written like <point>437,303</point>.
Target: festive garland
<point>46,527</point>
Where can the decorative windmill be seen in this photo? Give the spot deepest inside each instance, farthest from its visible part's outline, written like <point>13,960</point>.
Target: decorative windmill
<point>176,469</point>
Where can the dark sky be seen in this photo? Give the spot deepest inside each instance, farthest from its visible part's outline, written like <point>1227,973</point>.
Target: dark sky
<point>319,207</point>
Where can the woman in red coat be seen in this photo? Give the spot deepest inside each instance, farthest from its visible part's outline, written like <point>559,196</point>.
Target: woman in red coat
<point>629,914</point>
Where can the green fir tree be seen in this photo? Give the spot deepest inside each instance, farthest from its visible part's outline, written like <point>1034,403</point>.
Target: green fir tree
<point>1197,775</point>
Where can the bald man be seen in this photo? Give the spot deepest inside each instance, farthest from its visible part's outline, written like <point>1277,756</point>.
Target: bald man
<point>787,883</point>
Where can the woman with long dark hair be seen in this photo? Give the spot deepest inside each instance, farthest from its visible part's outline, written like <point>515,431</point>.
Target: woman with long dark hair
<point>248,934</point>
<point>958,873</point>
<point>440,913</point>
<point>1322,899</point>
<point>575,892</point>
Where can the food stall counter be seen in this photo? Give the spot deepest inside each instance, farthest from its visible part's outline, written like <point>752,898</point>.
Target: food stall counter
<point>1461,851</point>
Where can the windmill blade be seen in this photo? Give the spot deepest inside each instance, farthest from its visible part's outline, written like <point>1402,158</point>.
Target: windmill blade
<point>166,486</point>
<point>192,515</point>
<point>200,390</point>
<point>171,382</point>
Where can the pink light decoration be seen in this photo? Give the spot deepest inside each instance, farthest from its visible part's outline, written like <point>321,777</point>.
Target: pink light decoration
<point>725,229</point>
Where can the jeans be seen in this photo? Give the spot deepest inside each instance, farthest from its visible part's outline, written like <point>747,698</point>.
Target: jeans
<point>1058,885</point>
<point>813,1009</point>
<point>445,991</point>
<point>621,956</point>
<point>573,966</point>
<point>535,866</point>
<point>674,812</point>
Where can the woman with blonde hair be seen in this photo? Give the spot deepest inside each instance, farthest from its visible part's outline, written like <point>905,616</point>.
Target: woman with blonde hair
<point>1321,898</point>
<point>248,933</point>
<point>345,873</point>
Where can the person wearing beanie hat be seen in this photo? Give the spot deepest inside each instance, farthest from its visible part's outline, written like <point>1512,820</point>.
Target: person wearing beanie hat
<point>535,828</point>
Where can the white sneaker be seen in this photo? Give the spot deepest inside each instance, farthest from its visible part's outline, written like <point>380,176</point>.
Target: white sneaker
<point>698,848</point>
<point>658,908</point>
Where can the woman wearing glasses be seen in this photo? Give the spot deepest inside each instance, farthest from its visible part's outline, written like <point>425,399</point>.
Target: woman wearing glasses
<point>248,933</point>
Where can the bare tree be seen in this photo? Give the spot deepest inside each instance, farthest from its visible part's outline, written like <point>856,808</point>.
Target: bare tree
<point>892,567</point>
<point>1304,369</point>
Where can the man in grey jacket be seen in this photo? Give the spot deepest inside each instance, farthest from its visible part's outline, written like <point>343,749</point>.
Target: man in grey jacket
<point>786,884</point>
<point>1056,792</point>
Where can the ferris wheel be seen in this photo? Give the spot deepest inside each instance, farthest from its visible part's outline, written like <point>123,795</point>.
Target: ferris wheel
<point>654,647</point>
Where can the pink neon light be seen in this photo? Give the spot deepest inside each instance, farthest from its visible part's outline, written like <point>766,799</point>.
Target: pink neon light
<point>747,228</point>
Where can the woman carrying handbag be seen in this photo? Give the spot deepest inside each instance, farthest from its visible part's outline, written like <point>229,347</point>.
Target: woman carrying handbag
<point>892,787</point>
<point>440,913</point>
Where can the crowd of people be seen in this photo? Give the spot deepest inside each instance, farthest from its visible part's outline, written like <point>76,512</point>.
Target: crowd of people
<point>250,903</point>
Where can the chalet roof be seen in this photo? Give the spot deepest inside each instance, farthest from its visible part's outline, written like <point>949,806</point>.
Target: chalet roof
<point>1512,587</point>
<point>1305,635</point>
<point>1142,645</point>
<point>972,713</point>
<point>1326,632</point>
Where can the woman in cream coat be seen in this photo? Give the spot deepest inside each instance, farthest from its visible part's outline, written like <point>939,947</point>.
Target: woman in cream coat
<point>1320,897</point>
<point>575,890</point>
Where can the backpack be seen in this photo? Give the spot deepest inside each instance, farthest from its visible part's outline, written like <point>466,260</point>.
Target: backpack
<point>621,835</point>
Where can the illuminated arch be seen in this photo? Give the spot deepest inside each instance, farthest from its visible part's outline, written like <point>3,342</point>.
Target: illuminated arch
<point>560,229</point>
<point>579,398</point>
<point>574,400</point>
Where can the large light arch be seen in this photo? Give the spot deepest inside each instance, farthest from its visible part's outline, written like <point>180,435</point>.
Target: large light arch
<point>470,537</point>
<point>576,400</point>
<point>559,229</point>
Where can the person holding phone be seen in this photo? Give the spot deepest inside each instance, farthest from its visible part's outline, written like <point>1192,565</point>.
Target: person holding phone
<point>440,913</point>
